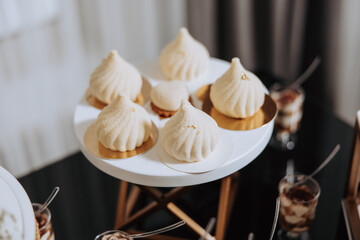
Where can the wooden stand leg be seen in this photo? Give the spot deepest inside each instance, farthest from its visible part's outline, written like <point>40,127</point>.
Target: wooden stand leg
<point>121,205</point>
<point>223,208</point>
<point>234,186</point>
<point>189,221</point>
<point>134,195</point>
<point>165,201</point>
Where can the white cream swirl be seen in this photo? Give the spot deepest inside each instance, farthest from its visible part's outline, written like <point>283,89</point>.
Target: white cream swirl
<point>113,76</point>
<point>123,125</point>
<point>190,135</point>
<point>238,93</point>
<point>184,58</point>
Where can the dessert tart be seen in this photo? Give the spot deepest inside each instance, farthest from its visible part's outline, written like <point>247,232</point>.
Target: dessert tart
<point>166,97</point>
<point>123,125</point>
<point>114,76</point>
<point>184,58</point>
<point>238,93</point>
<point>190,135</point>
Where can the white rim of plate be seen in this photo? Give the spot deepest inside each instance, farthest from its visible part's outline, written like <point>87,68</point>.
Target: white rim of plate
<point>218,157</point>
<point>28,217</point>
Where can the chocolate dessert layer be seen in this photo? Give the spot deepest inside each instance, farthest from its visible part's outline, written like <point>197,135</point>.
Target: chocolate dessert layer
<point>300,194</point>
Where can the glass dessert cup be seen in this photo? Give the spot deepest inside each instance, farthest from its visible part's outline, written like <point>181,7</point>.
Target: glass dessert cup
<point>289,103</point>
<point>44,221</point>
<point>297,206</point>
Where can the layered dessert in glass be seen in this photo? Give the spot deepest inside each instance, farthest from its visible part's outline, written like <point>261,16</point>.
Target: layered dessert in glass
<point>44,222</point>
<point>290,109</point>
<point>297,203</point>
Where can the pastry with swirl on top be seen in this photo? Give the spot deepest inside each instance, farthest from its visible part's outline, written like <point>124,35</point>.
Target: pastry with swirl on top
<point>123,125</point>
<point>190,135</point>
<point>184,58</point>
<point>113,76</point>
<point>238,93</point>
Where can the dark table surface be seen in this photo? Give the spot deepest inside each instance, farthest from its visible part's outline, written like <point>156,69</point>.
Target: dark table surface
<point>86,203</point>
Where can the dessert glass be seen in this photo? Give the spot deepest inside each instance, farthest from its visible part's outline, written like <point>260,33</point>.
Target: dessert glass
<point>44,222</point>
<point>289,103</point>
<point>297,206</point>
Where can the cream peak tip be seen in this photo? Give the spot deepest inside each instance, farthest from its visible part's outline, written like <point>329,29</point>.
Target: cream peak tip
<point>122,96</point>
<point>183,30</point>
<point>184,104</point>
<point>114,52</point>
<point>236,61</point>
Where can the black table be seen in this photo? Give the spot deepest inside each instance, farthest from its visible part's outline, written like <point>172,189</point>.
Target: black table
<point>86,203</point>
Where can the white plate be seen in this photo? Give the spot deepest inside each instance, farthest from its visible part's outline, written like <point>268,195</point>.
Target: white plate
<point>14,201</point>
<point>147,169</point>
<point>218,157</point>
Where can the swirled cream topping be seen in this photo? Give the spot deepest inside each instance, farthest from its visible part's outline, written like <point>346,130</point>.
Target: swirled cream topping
<point>123,125</point>
<point>190,135</point>
<point>238,93</point>
<point>184,58</point>
<point>113,76</point>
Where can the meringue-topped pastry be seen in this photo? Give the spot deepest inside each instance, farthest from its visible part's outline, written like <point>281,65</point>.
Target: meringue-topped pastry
<point>123,125</point>
<point>113,76</point>
<point>190,135</point>
<point>184,58</point>
<point>238,93</point>
<point>166,97</point>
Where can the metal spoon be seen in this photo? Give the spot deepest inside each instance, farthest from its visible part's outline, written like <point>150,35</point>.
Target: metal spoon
<point>290,171</point>
<point>303,77</point>
<point>323,164</point>
<point>276,216</point>
<point>48,201</point>
<point>251,236</point>
<point>146,234</point>
<point>208,228</point>
<point>161,230</point>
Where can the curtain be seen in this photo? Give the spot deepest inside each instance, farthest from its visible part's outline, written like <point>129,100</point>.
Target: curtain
<point>281,38</point>
<point>45,67</point>
<point>39,87</point>
<point>347,61</point>
<point>265,35</point>
<point>137,29</point>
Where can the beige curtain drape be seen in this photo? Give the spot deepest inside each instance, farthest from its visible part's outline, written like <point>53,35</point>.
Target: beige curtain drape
<point>346,61</point>
<point>45,69</point>
<point>230,28</point>
<point>281,37</point>
<point>39,88</point>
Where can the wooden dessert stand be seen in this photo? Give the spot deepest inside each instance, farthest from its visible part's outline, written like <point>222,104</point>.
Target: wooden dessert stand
<point>126,203</point>
<point>146,172</point>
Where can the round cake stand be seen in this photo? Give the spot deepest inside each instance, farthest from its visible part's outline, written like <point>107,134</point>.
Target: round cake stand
<point>147,172</point>
<point>146,169</point>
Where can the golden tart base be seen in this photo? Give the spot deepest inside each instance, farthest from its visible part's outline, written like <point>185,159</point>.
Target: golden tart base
<point>141,98</point>
<point>96,148</point>
<point>263,116</point>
